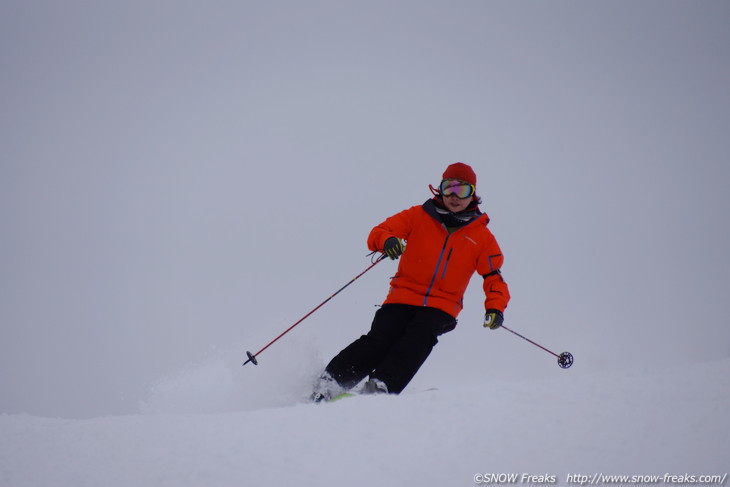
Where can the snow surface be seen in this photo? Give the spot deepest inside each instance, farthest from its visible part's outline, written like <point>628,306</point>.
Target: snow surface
<point>204,428</point>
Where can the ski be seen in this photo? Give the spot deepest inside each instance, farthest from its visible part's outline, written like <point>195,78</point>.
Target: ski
<point>341,396</point>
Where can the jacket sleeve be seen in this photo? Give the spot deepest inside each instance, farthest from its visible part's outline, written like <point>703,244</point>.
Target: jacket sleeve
<point>398,225</point>
<point>496,290</point>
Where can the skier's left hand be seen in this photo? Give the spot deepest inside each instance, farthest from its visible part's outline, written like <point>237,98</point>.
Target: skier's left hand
<point>493,319</point>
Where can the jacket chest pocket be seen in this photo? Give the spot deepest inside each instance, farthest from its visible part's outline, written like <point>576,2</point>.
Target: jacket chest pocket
<point>458,266</point>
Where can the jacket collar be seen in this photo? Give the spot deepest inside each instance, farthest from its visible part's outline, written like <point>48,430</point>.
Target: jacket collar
<point>436,209</point>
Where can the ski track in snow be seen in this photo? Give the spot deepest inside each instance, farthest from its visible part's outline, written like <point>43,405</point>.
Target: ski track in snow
<point>673,421</point>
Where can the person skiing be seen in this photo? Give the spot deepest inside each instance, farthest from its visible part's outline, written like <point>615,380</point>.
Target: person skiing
<point>440,243</point>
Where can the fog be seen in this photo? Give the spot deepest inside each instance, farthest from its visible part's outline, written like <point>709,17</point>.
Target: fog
<point>181,181</point>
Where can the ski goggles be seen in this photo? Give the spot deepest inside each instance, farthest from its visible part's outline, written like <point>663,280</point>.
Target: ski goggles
<point>461,189</point>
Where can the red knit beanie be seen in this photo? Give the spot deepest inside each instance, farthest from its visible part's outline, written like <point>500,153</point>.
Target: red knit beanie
<point>462,172</point>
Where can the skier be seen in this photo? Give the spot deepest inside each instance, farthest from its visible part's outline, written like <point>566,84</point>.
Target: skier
<point>446,241</point>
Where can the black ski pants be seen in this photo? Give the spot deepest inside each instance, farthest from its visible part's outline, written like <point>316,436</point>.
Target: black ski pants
<point>399,342</point>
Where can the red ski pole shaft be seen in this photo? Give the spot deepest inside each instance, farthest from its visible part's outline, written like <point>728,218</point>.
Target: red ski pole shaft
<point>252,356</point>
<point>565,359</point>
<point>525,338</point>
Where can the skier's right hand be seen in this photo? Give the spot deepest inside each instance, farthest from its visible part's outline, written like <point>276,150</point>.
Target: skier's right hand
<point>393,248</point>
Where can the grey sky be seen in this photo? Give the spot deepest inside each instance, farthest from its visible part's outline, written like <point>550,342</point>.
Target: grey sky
<point>180,178</point>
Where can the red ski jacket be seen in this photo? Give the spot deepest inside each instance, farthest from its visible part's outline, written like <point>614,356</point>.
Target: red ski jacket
<point>436,266</point>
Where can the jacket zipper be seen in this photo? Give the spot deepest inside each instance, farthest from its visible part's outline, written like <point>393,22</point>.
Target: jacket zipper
<point>436,271</point>
<point>446,265</point>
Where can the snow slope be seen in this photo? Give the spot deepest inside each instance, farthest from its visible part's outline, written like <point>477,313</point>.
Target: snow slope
<point>643,423</point>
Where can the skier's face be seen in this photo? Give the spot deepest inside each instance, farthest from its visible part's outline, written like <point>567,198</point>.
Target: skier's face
<point>455,204</point>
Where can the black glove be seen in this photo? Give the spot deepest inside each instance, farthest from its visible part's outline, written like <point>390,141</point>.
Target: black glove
<point>493,319</point>
<point>393,248</point>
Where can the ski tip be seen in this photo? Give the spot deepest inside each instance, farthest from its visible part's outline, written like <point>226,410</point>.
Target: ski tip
<point>341,396</point>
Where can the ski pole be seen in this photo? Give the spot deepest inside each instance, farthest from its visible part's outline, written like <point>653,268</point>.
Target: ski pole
<point>565,359</point>
<point>252,356</point>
